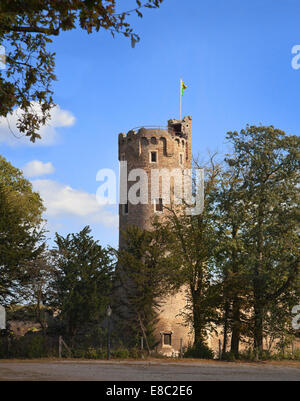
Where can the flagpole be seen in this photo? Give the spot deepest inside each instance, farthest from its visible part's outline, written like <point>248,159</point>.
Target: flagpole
<point>180,98</point>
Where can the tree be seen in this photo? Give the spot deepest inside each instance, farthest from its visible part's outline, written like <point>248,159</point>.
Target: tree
<point>21,238</point>
<point>83,279</point>
<point>231,217</point>
<point>267,160</point>
<point>37,290</point>
<point>147,273</point>
<point>26,28</point>
<point>193,242</point>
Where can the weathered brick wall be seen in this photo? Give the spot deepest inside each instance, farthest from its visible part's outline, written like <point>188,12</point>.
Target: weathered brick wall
<point>135,148</point>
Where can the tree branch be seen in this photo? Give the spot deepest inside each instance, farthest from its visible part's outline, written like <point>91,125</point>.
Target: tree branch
<point>31,29</point>
<point>295,270</point>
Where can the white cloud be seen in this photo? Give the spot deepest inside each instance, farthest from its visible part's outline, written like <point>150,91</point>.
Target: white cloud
<point>36,168</point>
<point>64,201</point>
<point>10,134</point>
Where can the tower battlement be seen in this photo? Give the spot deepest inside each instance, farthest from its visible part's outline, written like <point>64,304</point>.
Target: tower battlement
<point>170,139</point>
<point>174,128</point>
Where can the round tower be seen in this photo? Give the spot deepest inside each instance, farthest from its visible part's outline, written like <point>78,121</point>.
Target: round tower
<point>143,150</point>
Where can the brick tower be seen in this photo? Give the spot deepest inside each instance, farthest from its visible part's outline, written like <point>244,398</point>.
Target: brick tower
<point>158,148</point>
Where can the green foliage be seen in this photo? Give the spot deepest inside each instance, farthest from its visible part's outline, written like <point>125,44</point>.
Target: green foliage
<point>37,346</point>
<point>101,353</point>
<point>20,218</point>
<point>147,273</point>
<point>200,351</point>
<point>265,355</point>
<point>258,251</point>
<point>192,241</point>
<point>239,259</point>
<point>30,346</point>
<point>288,355</point>
<point>21,313</point>
<point>26,28</point>
<point>228,357</point>
<point>157,355</point>
<point>135,353</point>
<point>92,353</point>
<point>37,290</point>
<point>121,353</point>
<point>83,281</point>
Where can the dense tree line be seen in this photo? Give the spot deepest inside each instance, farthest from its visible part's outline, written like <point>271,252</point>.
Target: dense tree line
<point>74,278</point>
<point>239,259</point>
<point>147,272</point>
<point>21,232</point>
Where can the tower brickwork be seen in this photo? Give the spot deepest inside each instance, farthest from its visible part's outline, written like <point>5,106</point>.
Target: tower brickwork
<point>158,148</point>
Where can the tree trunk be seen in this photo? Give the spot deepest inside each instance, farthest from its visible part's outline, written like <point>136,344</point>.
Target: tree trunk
<point>226,326</point>
<point>144,333</point>
<point>236,327</point>
<point>39,317</point>
<point>258,327</point>
<point>199,325</point>
<point>71,331</point>
<point>236,305</point>
<point>258,285</point>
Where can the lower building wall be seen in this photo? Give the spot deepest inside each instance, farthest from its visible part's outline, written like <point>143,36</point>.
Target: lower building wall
<point>171,323</point>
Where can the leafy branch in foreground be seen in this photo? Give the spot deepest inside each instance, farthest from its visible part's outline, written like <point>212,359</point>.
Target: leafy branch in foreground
<point>26,28</point>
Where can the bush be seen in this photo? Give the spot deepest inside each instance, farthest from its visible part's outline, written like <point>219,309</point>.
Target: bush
<point>101,353</point>
<point>92,353</point>
<point>248,355</point>
<point>265,355</point>
<point>156,355</point>
<point>289,356</point>
<point>36,347</point>
<point>296,355</point>
<point>199,350</point>
<point>135,353</point>
<point>78,353</point>
<point>3,348</point>
<point>121,353</point>
<point>30,346</point>
<point>228,357</point>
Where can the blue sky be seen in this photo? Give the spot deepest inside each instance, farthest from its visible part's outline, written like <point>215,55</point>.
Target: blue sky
<point>234,55</point>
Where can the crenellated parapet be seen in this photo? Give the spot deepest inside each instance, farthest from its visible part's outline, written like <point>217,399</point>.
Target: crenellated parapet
<point>168,141</point>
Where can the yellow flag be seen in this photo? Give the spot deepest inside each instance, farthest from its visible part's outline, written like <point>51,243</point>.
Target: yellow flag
<point>183,87</point>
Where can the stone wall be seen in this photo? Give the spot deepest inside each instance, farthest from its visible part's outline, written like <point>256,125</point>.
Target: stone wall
<point>173,148</point>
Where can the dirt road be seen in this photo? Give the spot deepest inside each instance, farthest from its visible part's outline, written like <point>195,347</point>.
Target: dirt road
<point>143,371</point>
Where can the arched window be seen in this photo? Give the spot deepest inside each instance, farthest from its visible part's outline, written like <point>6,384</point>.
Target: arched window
<point>145,141</point>
<point>164,143</point>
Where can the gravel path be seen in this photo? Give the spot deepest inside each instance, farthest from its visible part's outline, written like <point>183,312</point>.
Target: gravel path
<point>144,371</point>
